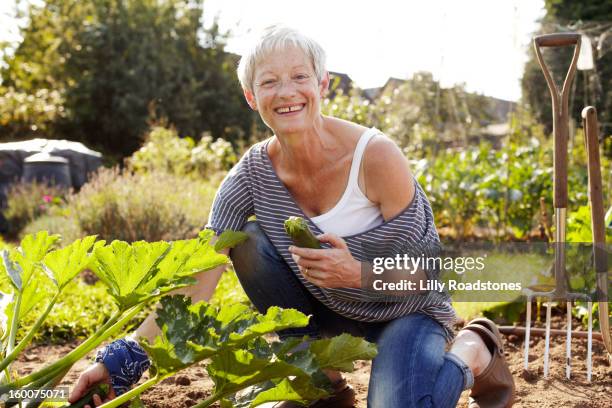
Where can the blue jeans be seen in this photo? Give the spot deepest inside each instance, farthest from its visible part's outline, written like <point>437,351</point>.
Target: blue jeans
<point>411,369</point>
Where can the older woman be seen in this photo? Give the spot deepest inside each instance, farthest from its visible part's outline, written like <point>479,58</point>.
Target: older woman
<point>353,186</point>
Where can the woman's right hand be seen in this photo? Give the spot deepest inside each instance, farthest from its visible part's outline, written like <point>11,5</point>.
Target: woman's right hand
<point>95,374</point>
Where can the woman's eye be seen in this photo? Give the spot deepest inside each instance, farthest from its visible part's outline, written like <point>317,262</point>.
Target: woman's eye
<point>268,82</point>
<point>301,76</point>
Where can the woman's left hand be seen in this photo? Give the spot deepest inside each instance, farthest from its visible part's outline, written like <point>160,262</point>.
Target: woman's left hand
<point>331,267</point>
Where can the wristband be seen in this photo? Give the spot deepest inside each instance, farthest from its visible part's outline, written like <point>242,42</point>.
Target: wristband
<point>125,361</point>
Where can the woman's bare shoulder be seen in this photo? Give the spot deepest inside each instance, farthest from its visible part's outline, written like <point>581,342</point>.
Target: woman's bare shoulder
<point>388,178</point>
<point>344,128</point>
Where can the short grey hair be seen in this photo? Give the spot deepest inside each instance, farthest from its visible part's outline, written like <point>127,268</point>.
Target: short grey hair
<point>276,38</point>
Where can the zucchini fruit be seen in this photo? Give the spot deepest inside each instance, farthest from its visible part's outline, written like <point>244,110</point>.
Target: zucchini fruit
<point>87,399</point>
<point>297,229</point>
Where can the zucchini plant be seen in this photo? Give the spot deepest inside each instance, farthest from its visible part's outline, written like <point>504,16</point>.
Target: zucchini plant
<point>136,275</point>
<point>231,338</point>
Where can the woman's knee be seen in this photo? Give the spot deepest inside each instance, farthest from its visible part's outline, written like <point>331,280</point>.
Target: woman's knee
<point>410,354</point>
<point>255,252</point>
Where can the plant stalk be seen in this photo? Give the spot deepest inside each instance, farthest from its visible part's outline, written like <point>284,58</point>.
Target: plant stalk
<point>14,324</point>
<point>26,340</point>
<point>110,327</point>
<point>134,392</point>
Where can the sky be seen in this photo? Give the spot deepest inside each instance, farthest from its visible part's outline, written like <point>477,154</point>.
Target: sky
<point>482,43</point>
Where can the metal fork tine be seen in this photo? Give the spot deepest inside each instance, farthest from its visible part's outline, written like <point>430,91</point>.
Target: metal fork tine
<point>568,341</point>
<point>589,340</point>
<point>547,342</point>
<point>527,331</point>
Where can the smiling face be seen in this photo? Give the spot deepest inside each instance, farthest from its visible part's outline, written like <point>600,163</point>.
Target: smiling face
<point>286,91</point>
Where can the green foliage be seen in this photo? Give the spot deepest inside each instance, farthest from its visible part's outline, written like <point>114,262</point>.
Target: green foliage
<point>28,201</point>
<point>592,87</point>
<point>61,224</point>
<point>26,115</point>
<point>135,273</point>
<point>229,291</point>
<point>165,151</point>
<point>499,190</point>
<point>82,310</point>
<point>116,63</point>
<point>133,207</point>
<point>416,112</point>
<point>350,107</point>
<point>579,226</point>
<point>419,112</point>
<point>135,276</point>
<point>231,338</point>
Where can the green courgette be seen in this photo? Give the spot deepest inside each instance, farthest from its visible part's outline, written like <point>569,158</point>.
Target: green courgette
<point>87,399</point>
<point>297,229</point>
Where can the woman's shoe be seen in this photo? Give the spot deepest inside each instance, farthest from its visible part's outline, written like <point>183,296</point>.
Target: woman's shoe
<point>494,387</point>
<point>342,397</point>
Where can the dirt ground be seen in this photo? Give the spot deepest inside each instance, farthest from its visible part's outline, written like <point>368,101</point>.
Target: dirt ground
<point>192,385</point>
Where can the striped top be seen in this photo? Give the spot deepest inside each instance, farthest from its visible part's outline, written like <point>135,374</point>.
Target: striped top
<point>252,187</point>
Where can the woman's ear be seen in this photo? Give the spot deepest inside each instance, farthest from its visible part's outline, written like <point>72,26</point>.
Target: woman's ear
<point>250,98</point>
<point>324,85</point>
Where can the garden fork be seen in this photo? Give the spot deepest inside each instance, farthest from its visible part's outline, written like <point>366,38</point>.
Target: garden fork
<point>561,136</point>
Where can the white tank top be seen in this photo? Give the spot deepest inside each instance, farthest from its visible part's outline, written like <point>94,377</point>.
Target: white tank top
<point>354,213</point>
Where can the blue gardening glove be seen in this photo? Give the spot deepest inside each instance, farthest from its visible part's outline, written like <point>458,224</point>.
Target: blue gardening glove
<point>125,361</point>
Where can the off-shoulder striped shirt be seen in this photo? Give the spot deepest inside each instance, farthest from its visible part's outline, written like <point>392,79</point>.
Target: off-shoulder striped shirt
<point>252,187</point>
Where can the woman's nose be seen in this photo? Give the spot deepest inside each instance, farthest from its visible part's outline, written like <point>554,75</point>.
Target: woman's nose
<point>286,88</point>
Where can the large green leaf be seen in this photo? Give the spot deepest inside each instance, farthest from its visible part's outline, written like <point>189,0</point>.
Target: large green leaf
<point>126,268</point>
<point>229,239</point>
<point>233,370</point>
<point>64,264</point>
<point>31,252</point>
<point>232,338</point>
<point>13,270</point>
<point>164,358</point>
<point>32,295</point>
<point>339,353</point>
<point>187,257</point>
<point>299,389</point>
<point>274,320</point>
<point>35,246</point>
<point>192,332</point>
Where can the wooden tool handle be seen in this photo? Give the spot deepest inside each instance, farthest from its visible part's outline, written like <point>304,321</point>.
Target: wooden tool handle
<point>557,39</point>
<point>598,224</point>
<point>560,101</point>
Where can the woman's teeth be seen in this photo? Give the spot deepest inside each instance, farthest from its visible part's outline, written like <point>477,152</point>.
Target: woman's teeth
<point>290,109</point>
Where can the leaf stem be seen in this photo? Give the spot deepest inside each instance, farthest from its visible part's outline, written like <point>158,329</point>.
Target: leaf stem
<point>110,327</point>
<point>14,324</point>
<point>26,340</point>
<point>134,391</point>
<point>211,400</point>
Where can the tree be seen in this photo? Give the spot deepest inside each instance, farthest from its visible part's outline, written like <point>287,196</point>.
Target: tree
<point>118,63</point>
<point>594,87</point>
<point>419,111</point>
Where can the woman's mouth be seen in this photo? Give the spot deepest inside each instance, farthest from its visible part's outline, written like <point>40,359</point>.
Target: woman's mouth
<point>290,109</point>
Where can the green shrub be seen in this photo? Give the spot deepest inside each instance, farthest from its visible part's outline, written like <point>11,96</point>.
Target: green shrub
<point>24,115</point>
<point>151,206</point>
<point>28,201</point>
<point>58,222</point>
<point>165,151</point>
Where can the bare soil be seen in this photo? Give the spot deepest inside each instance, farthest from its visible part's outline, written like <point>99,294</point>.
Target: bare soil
<point>533,390</point>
